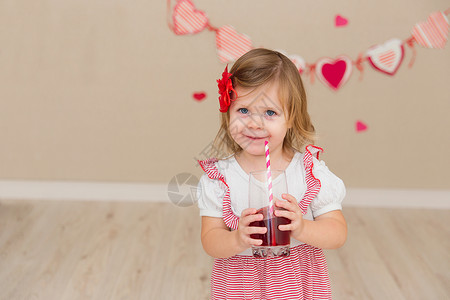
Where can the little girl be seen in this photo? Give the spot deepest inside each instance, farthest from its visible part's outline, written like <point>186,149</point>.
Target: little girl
<point>262,98</point>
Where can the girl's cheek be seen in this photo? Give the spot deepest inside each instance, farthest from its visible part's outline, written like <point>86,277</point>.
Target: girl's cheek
<point>236,124</point>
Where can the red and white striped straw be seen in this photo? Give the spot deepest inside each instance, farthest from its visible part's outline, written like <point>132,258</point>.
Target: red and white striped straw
<point>269,179</point>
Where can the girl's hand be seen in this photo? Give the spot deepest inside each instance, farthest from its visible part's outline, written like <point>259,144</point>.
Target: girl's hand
<point>292,212</point>
<point>244,230</point>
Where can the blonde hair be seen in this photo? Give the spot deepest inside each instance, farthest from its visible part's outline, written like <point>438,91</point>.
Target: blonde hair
<point>260,66</point>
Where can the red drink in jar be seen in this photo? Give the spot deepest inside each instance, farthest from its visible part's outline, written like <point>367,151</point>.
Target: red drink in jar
<point>274,242</point>
<point>274,236</point>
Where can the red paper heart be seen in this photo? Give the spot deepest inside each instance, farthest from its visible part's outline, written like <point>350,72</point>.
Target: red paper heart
<point>230,44</point>
<point>187,19</point>
<point>387,57</point>
<point>432,33</point>
<point>340,21</point>
<point>199,96</point>
<point>360,126</point>
<point>334,73</point>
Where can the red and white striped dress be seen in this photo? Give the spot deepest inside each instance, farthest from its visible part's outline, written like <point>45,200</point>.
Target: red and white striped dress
<point>302,275</point>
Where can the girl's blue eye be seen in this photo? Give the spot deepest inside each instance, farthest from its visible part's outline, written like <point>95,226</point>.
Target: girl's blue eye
<point>243,111</point>
<point>270,113</point>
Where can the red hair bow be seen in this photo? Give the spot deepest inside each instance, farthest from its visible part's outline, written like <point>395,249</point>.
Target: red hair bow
<point>226,91</point>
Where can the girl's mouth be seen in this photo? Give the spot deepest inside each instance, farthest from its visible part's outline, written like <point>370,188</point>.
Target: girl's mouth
<point>256,138</point>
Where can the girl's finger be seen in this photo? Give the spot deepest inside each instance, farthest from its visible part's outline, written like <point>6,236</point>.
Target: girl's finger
<point>286,214</point>
<point>285,227</point>
<point>248,211</point>
<point>281,203</point>
<point>247,219</point>
<point>289,198</point>
<point>254,242</point>
<point>288,205</point>
<point>256,230</point>
<point>292,201</point>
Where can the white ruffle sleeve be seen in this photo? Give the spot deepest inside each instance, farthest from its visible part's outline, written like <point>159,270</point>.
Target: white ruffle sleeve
<point>332,190</point>
<point>210,195</point>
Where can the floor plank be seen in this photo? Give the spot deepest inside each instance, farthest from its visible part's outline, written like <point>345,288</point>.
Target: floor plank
<point>113,250</point>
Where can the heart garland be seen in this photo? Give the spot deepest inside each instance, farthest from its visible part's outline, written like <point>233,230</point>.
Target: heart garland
<point>230,44</point>
<point>187,19</point>
<point>387,57</point>
<point>334,73</point>
<point>298,61</point>
<point>432,33</point>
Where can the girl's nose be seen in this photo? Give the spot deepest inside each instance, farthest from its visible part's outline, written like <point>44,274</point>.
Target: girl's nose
<point>255,122</point>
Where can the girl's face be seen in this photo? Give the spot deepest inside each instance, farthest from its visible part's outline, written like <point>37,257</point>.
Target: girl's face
<point>256,116</point>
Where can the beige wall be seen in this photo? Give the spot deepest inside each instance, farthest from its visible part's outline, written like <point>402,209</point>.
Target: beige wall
<point>101,90</point>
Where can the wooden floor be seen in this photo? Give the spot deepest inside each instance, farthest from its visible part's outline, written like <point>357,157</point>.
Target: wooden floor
<point>110,250</point>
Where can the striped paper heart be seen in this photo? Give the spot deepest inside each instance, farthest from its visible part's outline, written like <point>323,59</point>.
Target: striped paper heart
<point>387,57</point>
<point>230,44</point>
<point>432,33</point>
<point>187,19</point>
<point>334,72</point>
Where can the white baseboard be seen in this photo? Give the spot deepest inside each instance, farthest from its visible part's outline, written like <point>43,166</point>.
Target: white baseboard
<point>98,191</point>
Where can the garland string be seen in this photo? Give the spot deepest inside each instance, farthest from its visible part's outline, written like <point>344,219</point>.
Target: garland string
<point>310,69</point>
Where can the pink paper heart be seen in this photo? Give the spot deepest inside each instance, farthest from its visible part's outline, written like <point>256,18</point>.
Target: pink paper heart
<point>334,72</point>
<point>230,44</point>
<point>199,96</point>
<point>387,57</point>
<point>187,19</point>
<point>432,33</point>
<point>360,126</point>
<point>340,21</point>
